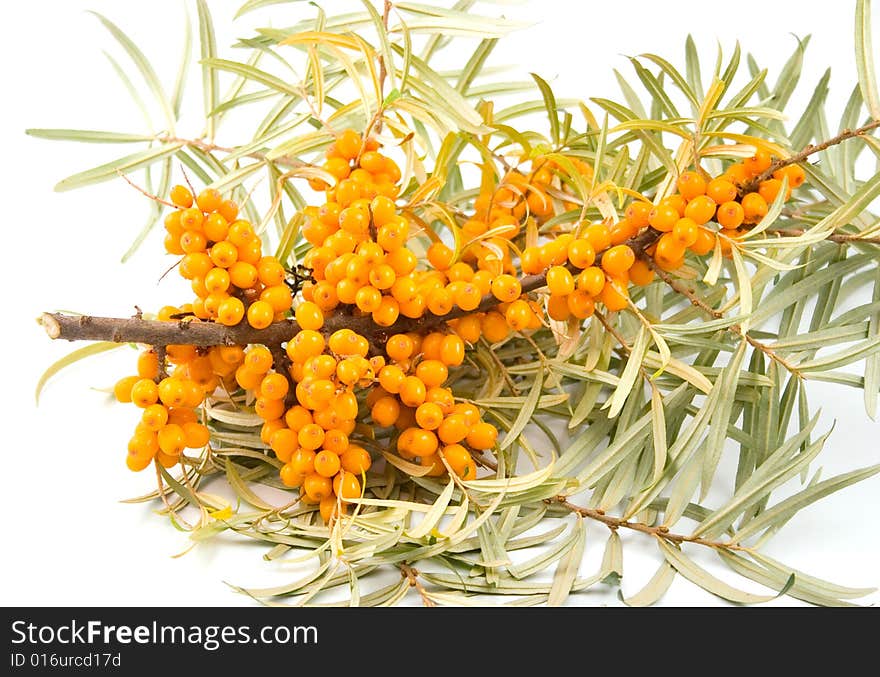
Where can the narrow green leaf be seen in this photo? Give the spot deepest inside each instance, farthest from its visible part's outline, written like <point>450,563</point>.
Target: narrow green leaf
<point>551,106</point>
<point>784,510</point>
<point>696,574</point>
<point>208,52</point>
<point>87,136</point>
<point>525,414</point>
<point>567,569</point>
<point>872,362</point>
<point>69,359</point>
<point>144,66</point>
<point>630,373</point>
<point>654,589</point>
<point>123,165</point>
<point>865,58</point>
<point>183,69</point>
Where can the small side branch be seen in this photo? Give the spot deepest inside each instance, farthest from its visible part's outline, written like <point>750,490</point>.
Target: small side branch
<point>660,532</point>
<point>806,152</point>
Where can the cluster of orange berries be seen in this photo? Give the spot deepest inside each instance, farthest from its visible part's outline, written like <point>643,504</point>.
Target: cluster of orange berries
<point>312,396</point>
<point>223,259</point>
<point>169,421</point>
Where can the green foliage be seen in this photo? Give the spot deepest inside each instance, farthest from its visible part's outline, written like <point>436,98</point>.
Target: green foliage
<point>648,417</point>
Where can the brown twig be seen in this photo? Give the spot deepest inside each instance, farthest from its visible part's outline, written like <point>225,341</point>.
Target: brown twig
<point>680,287</point>
<point>691,295</point>
<point>660,532</point>
<point>839,238</point>
<point>806,152</point>
<point>412,575</point>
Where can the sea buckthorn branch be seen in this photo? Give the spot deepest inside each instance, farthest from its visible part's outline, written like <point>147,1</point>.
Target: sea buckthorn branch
<point>736,329</point>
<point>661,532</point>
<point>806,152</point>
<point>839,238</point>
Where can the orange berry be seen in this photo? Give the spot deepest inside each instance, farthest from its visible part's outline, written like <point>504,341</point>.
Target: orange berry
<point>641,273</point>
<point>260,314</point>
<point>468,297</point>
<point>172,439</point>
<point>669,253</point>
<point>721,190</point>
<point>754,207</point>
<point>385,411</point>
<point>216,227</point>
<point>193,241</point>
<point>284,442</point>
<point>327,463</point>
<point>557,307</point>
<point>663,217</point>
<point>795,173</point>
<point>399,347</point>
<point>454,428</point>
<point>122,389</point>
<point>154,417</point>
<point>356,460</point>
<point>704,242</point>
<point>736,173</point>
<point>429,416</point>
<point>616,260</point>
<point>197,435</point>
<point>451,350</point>
<point>348,144</point>
<point>311,436</point>
<point>591,280</point>
<point>691,185</point>
<point>290,477</point>
<point>432,373</point>
<point>482,436</point>
<point>346,486</point>
<point>581,253</point>
<point>598,235</point>
<point>459,459</point>
<point>181,196</point>
<point>143,393</point>
<point>440,256</point>
<point>560,281</point>
<point>759,162</point>
<point>192,219</point>
<point>581,304</point>
<point>676,201</point>
<point>530,261</point>
<point>224,254</point>
<point>391,378</point>
<point>730,215</point>
<point>412,391</point>
<point>637,214</point>
<point>440,301</point>
<point>269,271</point>
<point>701,209</point>
<point>467,328</point>
<point>268,410</point>
<point>279,297</point>
<point>519,315</point>
<point>209,200</point>
<point>317,487</point>
<point>770,188</point>
<point>507,288</point>
<point>230,311</point>
<point>195,265</point>
<point>685,231</point>
<point>387,312</point>
<point>274,386</point>
<point>614,295</point>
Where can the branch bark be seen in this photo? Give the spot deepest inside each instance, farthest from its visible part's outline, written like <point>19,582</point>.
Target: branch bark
<point>807,151</point>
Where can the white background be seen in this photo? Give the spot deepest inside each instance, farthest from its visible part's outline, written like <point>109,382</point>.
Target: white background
<point>67,538</point>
